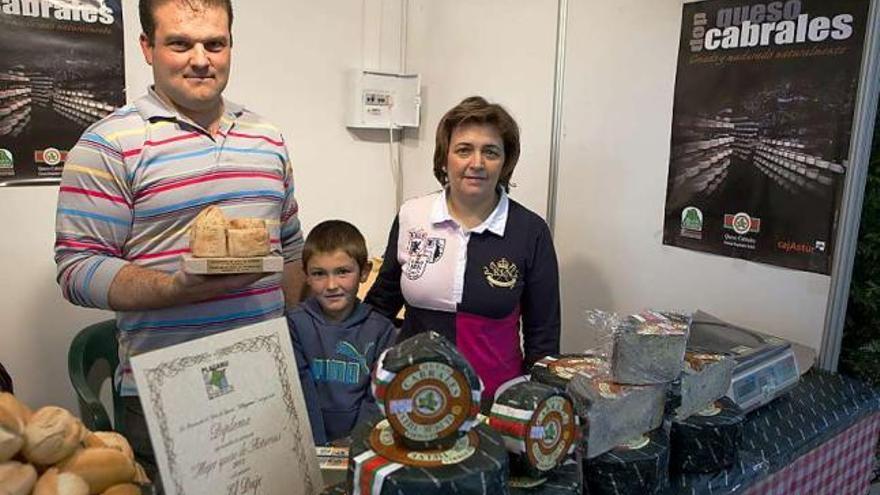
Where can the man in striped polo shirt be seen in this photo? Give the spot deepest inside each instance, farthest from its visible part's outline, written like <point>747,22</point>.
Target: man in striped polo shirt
<point>136,179</point>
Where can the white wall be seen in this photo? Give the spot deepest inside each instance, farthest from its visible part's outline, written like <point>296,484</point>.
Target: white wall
<point>620,74</point>
<point>288,64</point>
<point>289,61</point>
<point>498,49</point>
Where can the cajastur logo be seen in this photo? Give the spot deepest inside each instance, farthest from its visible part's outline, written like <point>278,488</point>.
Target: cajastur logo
<point>742,223</point>
<point>50,156</point>
<point>794,247</point>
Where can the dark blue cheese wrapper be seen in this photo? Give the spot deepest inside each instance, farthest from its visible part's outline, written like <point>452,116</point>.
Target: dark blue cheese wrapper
<point>538,426</point>
<point>707,441</point>
<point>483,470</point>
<point>428,391</point>
<point>648,348</point>
<point>611,413</point>
<point>705,378</point>
<point>638,468</point>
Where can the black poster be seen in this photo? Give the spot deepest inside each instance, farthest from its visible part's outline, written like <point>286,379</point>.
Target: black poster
<point>763,111</point>
<point>61,69</point>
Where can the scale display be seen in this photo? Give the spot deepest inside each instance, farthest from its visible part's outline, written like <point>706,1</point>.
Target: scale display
<point>765,365</point>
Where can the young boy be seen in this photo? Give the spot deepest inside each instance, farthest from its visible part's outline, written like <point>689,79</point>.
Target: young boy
<point>336,338</point>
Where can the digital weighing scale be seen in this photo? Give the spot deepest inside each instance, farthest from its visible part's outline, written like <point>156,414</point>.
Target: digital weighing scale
<point>765,365</point>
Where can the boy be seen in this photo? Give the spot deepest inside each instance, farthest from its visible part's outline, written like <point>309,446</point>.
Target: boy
<point>336,338</point>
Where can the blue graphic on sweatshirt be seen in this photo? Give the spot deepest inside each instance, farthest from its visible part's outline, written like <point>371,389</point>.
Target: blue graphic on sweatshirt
<point>347,370</point>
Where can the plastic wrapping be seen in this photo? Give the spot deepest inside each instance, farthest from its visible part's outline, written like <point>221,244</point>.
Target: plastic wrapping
<point>640,467</point>
<point>538,426</point>
<point>428,391</point>
<point>705,378</point>
<point>612,413</point>
<point>707,441</point>
<point>649,347</point>
<point>557,371</point>
<point>565,480</point>
<point>484,471</point>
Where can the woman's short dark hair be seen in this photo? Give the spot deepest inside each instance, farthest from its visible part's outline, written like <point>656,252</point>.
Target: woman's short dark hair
<point>146,8</point>
<point>476,110</point>
<point>335,235</point>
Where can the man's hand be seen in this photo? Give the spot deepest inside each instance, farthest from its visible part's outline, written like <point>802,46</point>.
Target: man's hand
<point>193,288</point>
<point>137,289</point>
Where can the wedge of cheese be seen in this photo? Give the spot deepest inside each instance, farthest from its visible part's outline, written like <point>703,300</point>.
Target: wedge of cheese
<point>207,234</point>
<point>248,242</point>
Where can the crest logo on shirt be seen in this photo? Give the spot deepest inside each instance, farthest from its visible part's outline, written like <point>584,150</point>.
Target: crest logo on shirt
<point>501,273</point>
<point>422,250</point>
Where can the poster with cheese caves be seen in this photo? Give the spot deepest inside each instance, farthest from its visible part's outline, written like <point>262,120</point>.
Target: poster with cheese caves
<point>762,116</point>
<point>62,69</point>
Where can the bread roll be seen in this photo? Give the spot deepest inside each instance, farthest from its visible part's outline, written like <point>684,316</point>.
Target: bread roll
<point>10,403</point>
<point>207,234</point>
<point>51,435</point>
<point>109,439</point>
<point>100,467</point>
<point>245,243</point>
<point>246,223</point>
<point>17,478</point>
<point>11,434</point>
<point>140,475</point>
<point>124,489</point>
<point>53,482</point>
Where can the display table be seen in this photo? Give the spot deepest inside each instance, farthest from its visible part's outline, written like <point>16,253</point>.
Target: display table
<point>820,438</point>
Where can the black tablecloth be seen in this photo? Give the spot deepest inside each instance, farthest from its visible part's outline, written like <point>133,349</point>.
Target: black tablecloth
<point>819,407</point>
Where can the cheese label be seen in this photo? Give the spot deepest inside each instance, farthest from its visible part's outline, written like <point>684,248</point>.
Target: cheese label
<point>428,401</point>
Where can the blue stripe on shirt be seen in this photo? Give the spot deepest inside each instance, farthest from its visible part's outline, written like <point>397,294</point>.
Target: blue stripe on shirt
<point>93,216</point>
<point>249,151</point>
<point>88,279</point>
<point>209,200</point>
<point>91,136</point>
<point>177,156</point>
<point>203,321</point>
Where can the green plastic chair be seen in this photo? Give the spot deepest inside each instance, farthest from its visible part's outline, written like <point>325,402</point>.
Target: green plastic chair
<point>93,344</point>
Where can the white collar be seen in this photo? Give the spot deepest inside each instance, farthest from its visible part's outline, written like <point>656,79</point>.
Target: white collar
<point>495,222</point>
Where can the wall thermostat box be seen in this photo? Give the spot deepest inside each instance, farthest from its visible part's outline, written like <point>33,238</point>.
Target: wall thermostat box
<point>382,100</point>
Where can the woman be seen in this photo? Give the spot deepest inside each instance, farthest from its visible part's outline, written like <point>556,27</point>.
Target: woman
<point>469,262</point>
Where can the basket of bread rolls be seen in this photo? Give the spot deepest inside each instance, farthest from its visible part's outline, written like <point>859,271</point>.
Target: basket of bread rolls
<point>223,246</point>
<point>50,452</point>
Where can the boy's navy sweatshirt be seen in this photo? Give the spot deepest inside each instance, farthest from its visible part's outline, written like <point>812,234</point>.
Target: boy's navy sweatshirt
<point>335,361</point>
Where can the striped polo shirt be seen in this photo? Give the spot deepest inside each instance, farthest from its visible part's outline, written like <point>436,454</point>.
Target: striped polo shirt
<point>132,185</point>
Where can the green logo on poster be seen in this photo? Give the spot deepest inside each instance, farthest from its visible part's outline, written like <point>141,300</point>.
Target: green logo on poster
<point>5,158</point>
<point>692,219</point>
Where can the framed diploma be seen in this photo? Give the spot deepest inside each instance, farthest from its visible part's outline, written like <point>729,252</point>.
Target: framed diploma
<point>226,414</point>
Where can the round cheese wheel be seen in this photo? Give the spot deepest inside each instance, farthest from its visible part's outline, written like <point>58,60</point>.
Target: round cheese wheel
<point>438,472</point>
<point>707,441</point>
<point>638,467</point>
<point>428,391</point>
<point>538,425</point>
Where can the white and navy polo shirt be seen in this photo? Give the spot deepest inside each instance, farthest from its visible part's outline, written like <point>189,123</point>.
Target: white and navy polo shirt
<point>476,286</point>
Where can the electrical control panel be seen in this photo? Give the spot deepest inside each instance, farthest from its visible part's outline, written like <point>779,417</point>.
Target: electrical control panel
<point>381,100</point>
